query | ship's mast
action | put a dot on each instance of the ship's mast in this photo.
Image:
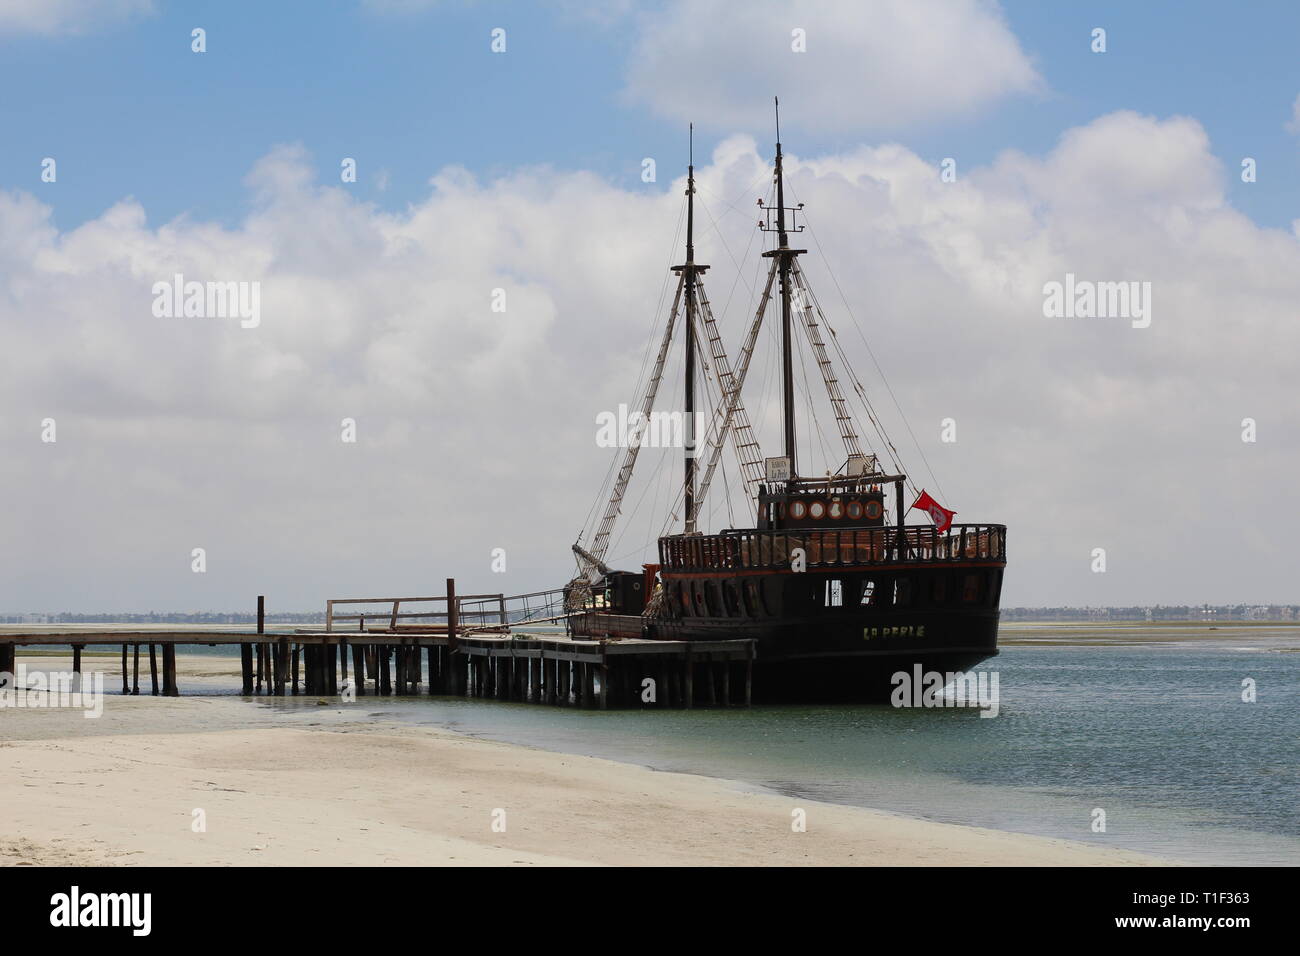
(689, 272)
(785, 258)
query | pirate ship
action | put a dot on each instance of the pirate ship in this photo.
(835, 588)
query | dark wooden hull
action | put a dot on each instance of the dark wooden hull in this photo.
(818, 660)
(839, 634)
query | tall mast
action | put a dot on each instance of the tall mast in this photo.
(785, 257)
(689, 272)
(787, 358)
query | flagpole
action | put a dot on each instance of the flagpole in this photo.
(902, 535)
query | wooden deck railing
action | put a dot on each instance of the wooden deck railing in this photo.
(474, 612)
(775, 549)
(470, 608)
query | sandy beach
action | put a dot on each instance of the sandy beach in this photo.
(124, 789)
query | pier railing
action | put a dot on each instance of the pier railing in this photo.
(536, 607)
(742, 550)
(471, 609)
(474, 612)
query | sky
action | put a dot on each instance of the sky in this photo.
(521, 171)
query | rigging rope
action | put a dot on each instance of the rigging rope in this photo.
(645, 361)
(879, 371)
(601, 542)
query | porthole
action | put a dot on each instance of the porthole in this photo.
(817, 510)
(797, 510)
(837, 509)
(855, 510)
(873, 510)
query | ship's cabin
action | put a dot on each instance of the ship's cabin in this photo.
(823, 503)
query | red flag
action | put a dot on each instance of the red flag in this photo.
(940, 515)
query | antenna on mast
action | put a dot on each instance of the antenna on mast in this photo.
(690, 199)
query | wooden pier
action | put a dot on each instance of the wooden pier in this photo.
(448, 655)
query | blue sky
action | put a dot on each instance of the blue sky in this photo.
(127, 109)
(176, 433)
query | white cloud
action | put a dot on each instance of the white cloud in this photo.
(1293, 124)
(477, 428)
(66, 16)
(882, 63)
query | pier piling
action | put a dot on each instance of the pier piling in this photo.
(246, 667)
(749, 677)
(282, 667)
(261, 648)
(359, 669)
(688, 670)
(169, 671)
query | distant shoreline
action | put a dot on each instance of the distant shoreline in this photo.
(1010, 634)
(1159, 614)
(1128, 633)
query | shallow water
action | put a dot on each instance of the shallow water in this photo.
(1155, 734)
